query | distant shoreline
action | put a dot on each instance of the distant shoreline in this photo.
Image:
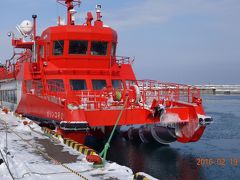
(219, 89)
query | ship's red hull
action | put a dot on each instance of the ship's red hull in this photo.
(44, 110)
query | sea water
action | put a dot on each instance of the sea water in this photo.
(215, 156)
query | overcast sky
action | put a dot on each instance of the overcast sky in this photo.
(184, 41)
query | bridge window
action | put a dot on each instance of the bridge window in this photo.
(117, 84)
(99, 48)
(38, 85)
(78, 47)
(78, 85)
(55, 85)
(113, 49)
(42, 51)
(99, 84)
(58, 47)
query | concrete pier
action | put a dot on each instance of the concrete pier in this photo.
(219, 89)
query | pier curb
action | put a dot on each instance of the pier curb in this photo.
(70, 143)
(140, 176)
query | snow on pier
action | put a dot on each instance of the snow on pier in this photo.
(30, 154)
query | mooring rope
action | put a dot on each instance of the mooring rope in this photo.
(103, 154)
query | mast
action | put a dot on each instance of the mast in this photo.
(70, 4)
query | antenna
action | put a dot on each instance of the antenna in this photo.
(70, 4)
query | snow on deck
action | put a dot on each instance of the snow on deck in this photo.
(26, 162)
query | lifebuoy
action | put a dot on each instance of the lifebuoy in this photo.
(136, 93)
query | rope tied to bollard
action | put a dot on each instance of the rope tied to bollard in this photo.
(103, 154)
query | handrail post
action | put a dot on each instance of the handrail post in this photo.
(188, 94)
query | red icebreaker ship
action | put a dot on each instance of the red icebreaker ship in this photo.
(71, 80)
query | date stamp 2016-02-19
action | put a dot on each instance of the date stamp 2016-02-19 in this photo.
(218, 162)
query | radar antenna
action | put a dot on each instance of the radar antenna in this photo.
(70, 4)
